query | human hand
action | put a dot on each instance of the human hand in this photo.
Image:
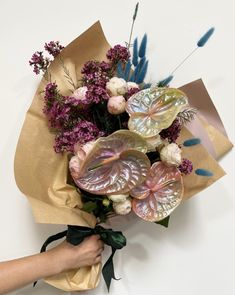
(68, 256)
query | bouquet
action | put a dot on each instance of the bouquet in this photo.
(100, 141)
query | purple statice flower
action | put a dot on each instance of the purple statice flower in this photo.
(171, 133)
(186, 167)
(131, 92)
(118, 53)
(39, 62)
(96, 94)
(53, 48)
(82, 133)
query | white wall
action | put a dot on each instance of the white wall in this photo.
(196, 254)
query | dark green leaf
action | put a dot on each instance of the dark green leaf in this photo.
(89, 206)
(164, 222)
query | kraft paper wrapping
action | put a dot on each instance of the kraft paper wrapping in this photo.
(41, 174)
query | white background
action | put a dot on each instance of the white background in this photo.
(195, 255)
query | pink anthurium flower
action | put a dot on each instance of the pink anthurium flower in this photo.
(159, 194)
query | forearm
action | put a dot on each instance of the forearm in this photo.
(20, 272)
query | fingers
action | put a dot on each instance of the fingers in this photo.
(98, 259)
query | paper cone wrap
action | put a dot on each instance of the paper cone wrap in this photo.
(41, 174)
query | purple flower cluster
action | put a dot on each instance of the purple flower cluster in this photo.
(53, 48)
(91, 67)
(82, 133)
(59, 115)
(39, 62)
(51, 93)
(95, 76)
(118, 53)
(171, 133)
(186, 167)
(131, 92)
(96, 94)
(78, 103)
(61, 111)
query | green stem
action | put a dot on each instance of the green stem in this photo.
(119, 122)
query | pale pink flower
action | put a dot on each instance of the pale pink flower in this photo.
(80, 93)
(122, 208)
(116, 105)
(116, 86)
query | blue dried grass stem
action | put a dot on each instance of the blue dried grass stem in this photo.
(202, 41)
(120, 72)
(135, 53)
(143, 45)
(127, 70)
(203, 172)
(165, 82)
(191, 142)
(142, 73)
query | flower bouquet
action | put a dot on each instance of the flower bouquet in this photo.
(100, 141)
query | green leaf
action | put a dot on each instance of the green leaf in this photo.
(89, 206)
(164, 222)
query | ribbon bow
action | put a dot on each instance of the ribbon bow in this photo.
(76, 234)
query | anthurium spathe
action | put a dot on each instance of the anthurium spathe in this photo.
(116, 164)
(154, 109)
(159, 194)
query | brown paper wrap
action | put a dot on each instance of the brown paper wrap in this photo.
(41, 174)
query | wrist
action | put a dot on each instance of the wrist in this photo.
(63, 257)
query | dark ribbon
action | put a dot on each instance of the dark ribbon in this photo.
(76, 234)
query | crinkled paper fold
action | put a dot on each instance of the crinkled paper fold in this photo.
(41, 174)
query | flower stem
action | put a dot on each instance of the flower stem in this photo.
(132, 25)
(183, 61)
